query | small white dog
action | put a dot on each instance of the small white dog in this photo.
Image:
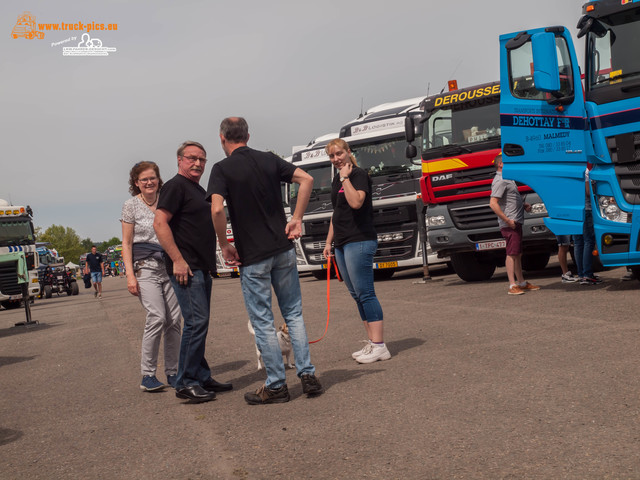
(284, 340)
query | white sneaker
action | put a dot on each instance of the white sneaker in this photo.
(569, 277)
(374, 353)
(355, 355)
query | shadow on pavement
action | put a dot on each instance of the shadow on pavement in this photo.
(7, 332)
(4, 361)
(7, 436)
(333, 377)
(398, 346)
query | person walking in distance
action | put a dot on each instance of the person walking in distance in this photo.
(147, 276)
(184, 229)
(355, 242)
(507, 204)
(249, 180)
(95, 266)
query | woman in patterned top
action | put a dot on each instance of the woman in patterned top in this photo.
(147, 277)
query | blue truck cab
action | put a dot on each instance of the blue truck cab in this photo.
(553, 125)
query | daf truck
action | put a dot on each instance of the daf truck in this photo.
(460, 140)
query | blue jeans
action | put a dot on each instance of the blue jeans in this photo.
(583, 246)
(355, 262)
(194, 299)
(257, 279)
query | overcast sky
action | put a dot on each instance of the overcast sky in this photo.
(71, 127)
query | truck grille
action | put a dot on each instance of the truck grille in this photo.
(467, 176)
(625, 154)
(473, 217)
(9, 278)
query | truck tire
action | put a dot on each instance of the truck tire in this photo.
(472, 266)
(636, 271)
(383, 274)
(74, 288)
(48, 291)
(535, 261)
(9, 305)
(321, 274)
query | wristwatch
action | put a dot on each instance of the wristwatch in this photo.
(342, 179)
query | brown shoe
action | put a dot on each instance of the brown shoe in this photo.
(528, 286)
(516, 290)
(266, 395)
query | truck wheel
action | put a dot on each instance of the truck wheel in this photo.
(472, 267)
(383, 274)
(9, 305)
(636, 271)
(47, 291)
(74, 288)
(535, 261)
(321, 274)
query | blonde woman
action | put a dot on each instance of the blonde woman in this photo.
(355, 243)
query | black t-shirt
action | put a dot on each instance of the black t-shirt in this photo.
(350, 225)
(249, 181)
(94, 262)
(190, 223)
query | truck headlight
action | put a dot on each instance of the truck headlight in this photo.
(390, 237)
(538, 208)
(436, 220)
(610, 210)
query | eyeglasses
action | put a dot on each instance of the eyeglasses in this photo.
(148, 180)
(193, 158)
(144, 161)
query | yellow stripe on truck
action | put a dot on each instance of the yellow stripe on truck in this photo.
(443, 165)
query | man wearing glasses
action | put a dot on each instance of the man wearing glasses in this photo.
(185, 231)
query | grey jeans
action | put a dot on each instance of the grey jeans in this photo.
(163, 316)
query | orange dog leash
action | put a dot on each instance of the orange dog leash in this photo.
(326, 328)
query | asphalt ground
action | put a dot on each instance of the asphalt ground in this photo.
(481, 385)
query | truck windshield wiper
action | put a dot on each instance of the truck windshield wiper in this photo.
(616, 78)
(451, 150)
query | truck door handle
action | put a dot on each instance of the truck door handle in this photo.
(512, 150)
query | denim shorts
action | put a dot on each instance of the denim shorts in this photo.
(563, 240)
(96, 277)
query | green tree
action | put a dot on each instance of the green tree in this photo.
(108, 243)
(87, 243)
(65, 240)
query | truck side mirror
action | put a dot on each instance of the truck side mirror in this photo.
(411, 151)
(546, 77)
(409, 130)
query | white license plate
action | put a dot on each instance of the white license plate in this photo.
(15, 297)
(491, 245)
